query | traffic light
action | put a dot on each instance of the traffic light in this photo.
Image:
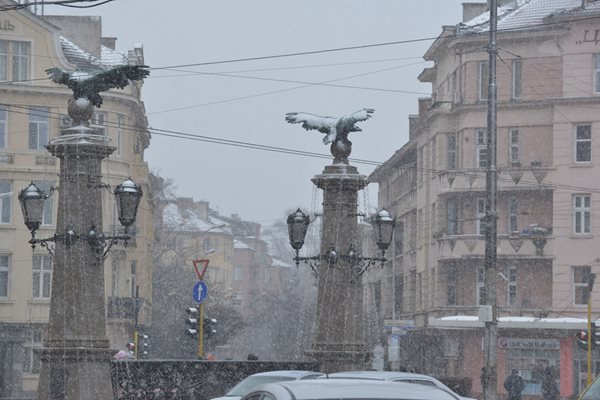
(210, 325)
(131, 348)
(192, 321)
(582, 337)
(143, 345)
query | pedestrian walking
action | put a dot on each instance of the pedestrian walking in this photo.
(549, 386)
(514, 385)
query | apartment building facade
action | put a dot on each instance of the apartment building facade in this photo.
(548, 85)
(33, 111)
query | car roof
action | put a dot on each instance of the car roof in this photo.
(296, 374)
(379, 375)
(351, 389)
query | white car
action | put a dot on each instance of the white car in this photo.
(346, 389)
(266, 377)
(396, 377)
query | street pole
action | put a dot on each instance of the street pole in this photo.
(590, 336)
(201, 331)
(491, 327)
(136, 332)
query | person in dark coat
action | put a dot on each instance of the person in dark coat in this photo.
(514, 385)
(549, 386)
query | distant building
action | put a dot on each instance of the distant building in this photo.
(32, 111)
(429, 296)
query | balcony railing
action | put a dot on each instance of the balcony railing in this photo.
(122, 307)
(118, 230)
(508, 177)
(529, 246)
(7, 158)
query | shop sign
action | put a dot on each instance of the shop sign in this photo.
(529, 344)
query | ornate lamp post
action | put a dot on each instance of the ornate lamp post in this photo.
(339, 342)
(383, 228)
(76, 355)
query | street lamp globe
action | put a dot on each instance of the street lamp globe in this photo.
(297, 223)
(384, 229)
(32, 205)
(128, 195)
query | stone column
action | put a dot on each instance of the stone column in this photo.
(76, 355)
(339, 343)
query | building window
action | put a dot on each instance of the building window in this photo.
(98, 123)
(597, 73)
(48, 210)
(38, 128)
(513, 144)
(42, 276)
(483, 80)
(237, 273)
(14, 60)
(237, 299)
(581, 279)
(517, 73)
(451, 218)
(133, 278)
(120, 125)
(3, 125)
(451, 151)
(6, 197)
(398, 294)
(31, 358)
(512, 215)
(433, 154)
(480, 216)
(511, 296)
(481, 296)
(114, 273)
(420, 165)
(399, 239)
(4, 275)
(451, 283)
(481, 151)
(582, 212)
(583, 143)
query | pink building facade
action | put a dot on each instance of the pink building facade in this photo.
(548, 157)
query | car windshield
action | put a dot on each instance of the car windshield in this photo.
(244, 386)
(593, 392)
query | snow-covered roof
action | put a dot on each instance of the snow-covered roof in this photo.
(190, 221)
(87, 62)
(79, 57)
(238, 244)
(112, 57)
(528, 13)
(472, 321)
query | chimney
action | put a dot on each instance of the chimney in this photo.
(109, 42)
(413, 123)
(472, 10)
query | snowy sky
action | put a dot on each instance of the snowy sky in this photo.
(209, 101)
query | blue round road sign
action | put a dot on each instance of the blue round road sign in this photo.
(200, 292)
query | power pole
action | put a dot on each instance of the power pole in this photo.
(490, 279)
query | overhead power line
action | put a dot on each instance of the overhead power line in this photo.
(64, 3)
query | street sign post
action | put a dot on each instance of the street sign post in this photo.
(200, 292)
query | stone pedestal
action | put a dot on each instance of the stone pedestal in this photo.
(76, 355)
(339, 343)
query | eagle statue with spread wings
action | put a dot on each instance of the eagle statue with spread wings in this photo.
(333, 128)
(336, 130)
(88, 85)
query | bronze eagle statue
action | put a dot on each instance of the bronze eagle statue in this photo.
(89, 85)
(335, 129)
